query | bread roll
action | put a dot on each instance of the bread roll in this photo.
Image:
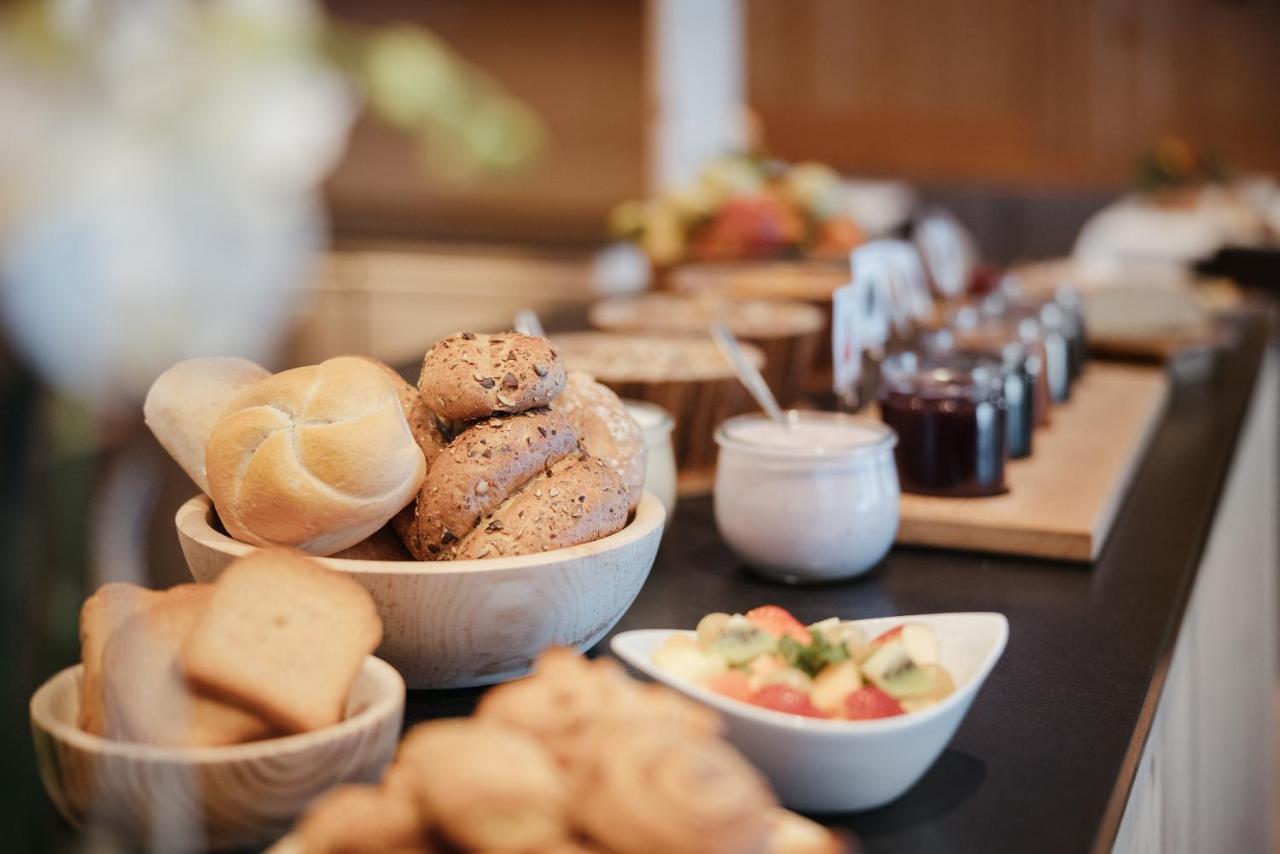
(468, 376)
(606, 429)
(317, 458)
(577, 500)
(186, 401)
(482, 467)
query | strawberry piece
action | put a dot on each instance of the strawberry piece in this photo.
(888, 634)
(732, 683)
(869, 702)
(784, 698)
(778, 622)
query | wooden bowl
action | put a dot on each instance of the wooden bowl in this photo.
(191, 798)
(452, 624)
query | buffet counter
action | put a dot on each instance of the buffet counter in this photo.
(1130, 711)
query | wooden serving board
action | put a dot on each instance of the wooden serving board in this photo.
(1063, 498)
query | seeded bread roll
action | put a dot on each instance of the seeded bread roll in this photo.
(468, 376)
(479, 470)
(578, 500)
(606, 429)
(317, 458)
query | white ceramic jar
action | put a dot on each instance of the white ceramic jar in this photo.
(813, 501)
(660, 468)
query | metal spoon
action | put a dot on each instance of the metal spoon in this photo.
(747, 373)
(527, 323)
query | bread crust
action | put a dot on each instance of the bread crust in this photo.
(577, 500)
(468, 375)
(481, 468)
(606, 429)
(316, 458)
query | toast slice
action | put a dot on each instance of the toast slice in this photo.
(284, 637)
(147, 699)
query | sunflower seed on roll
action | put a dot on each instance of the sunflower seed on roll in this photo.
(479, 470)
(468, 375)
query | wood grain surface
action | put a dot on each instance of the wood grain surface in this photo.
(1062, 500)
(186, 799)
(451, 624)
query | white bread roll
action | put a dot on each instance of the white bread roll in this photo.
(185, 402)
(317, 458)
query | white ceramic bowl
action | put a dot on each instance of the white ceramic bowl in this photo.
(816, 503)
(453, 624)
(839, 766)
(191, 798)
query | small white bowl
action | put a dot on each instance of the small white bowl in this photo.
(839, 766)
(453, 624)
(817, 501)
(191, 798)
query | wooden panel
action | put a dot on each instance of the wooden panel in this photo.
(578, 64)
(1062, 500)
(1014, 91)
(1204, 783)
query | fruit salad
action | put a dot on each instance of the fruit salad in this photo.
(830, 669)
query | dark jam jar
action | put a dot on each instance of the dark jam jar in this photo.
(949, 412)
(1019, 372)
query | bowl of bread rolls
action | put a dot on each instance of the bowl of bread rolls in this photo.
(211, 715)
(493, 510)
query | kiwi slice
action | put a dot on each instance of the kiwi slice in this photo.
(891, 670)
(740, 641)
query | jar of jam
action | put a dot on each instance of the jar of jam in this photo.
(1019, 369)
(948, 410)
(975, 329)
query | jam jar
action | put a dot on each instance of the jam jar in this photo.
(1020, 371)
(948, 410)
(975, 329)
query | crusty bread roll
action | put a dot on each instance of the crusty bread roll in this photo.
(185, 402)
(317, 458)
(606, 429)
(577, 500)
(481, 468)
(468, 376)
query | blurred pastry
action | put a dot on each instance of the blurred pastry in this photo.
(186, 401)
(788, 332)
(650, 787)
(486, 787)
(468, 376)
(110, 607)
(355, 819)
(317, 458)
(606, 428)
(568, 697)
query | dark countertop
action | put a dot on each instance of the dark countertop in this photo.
(1045, 759)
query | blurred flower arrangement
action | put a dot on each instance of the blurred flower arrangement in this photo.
(1173, 164)
(160, 167)
(745, 207)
